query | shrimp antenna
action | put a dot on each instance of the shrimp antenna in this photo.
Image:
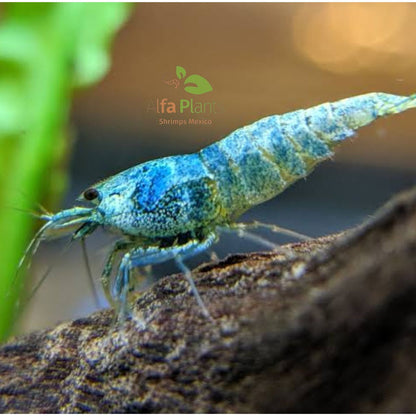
(90, 278)
(41, 208)
(26, 211)
(30, 251)
(45, 275)
(37, 286)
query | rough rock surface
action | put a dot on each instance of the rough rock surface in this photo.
(330, 328)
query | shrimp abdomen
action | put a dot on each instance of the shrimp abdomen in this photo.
(258, 161)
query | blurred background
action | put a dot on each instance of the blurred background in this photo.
(260, 59)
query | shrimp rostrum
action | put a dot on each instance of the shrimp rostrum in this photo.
(174, 208)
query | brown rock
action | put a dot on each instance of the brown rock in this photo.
(331, 328)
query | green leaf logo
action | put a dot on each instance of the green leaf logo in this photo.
(195, 84)
(180, 72)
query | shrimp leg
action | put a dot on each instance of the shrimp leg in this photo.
(241, 229)
(119, 245)
(140, 257)
(188, 276)
(274, 228)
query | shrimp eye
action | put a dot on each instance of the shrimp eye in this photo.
(91, 194)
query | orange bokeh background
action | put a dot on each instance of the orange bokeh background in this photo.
(261, 59)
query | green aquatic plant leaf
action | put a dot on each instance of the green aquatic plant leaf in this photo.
(46, 49)
(91, 56)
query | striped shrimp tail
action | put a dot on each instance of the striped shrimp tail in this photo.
(393, 104)
(333, 122)
(258, 161)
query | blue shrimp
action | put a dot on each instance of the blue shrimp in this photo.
(174, 208)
